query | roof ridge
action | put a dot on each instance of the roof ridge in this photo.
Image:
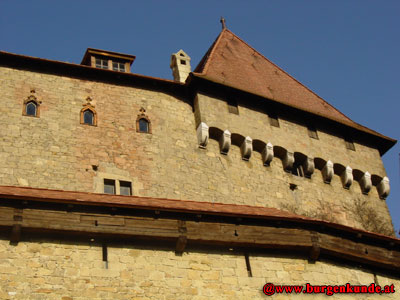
(288, 74)
(214, 46)
(204, 62)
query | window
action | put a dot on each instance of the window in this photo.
(88, 117)
(233, 106)
(117, 187)
(273, 119)
(125, 188)
(101, 63)
(349, 143)
(143, 125)
(312, 132)
(109, 186)
(118, 66)
(31, 108)
(88, 114)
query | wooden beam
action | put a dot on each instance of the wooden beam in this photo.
(206, 233)
(15, 236)
(180, 244)
(315, 248)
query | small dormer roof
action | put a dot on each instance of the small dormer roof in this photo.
(104, 53)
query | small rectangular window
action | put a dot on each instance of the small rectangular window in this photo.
(118, 66)
(101, 63)
(109, 186)
(273, 119)
(125, 188)
(233, 106)
(349, 143)
(312, 132)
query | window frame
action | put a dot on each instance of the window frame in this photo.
(27, 101)
(92, 110)
(101, 66)
(118, 68)
(111, 182)
(143, 116)
(117, 184)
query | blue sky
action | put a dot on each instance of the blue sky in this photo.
(345, 51)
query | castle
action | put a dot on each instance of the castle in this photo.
(116, 185)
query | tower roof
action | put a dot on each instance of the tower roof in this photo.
(232, 62)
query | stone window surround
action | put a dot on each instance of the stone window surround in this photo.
(117, 185)
(101, 176)
(28, 100)
(90, 107)
(144, 116)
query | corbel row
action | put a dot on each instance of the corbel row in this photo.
(288, 161)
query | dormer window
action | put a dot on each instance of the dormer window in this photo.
(108, 60)
(118, 66)
(101, 63)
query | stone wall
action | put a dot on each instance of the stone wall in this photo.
(55, 151)
(72, 271)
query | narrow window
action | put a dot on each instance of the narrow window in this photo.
(233, 106)
(117, 66)
(101, 63)
(109, 186)
(349, 143)
(312, 132)
(273, 119)
(125, 188)
(143, 125)
(31, 109)
(88, 117)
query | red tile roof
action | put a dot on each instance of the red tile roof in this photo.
(232, 62)
(172, 205)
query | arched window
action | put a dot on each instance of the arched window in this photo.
(143, 123)
(88, 117)
(31, 108)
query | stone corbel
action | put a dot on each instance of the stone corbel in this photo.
(347, 177)
(366, 183)
(327, 172)
(383, 188)
(308, 167)
(288, 161)
(268, 154)
(202, 135)
(247, 148)
(225, 142)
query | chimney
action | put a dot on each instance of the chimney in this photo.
(180, 65)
